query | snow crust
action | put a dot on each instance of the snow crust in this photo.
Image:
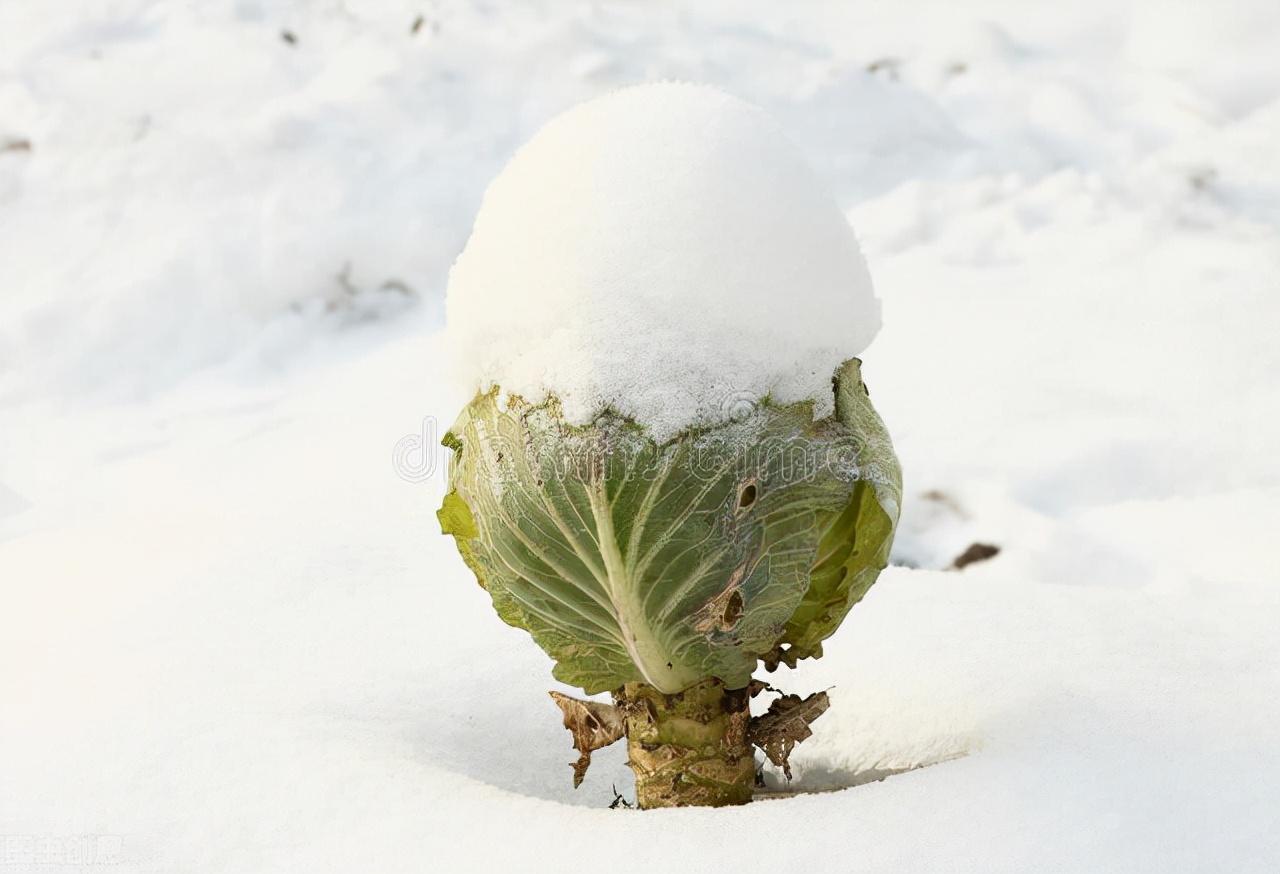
(663, 251)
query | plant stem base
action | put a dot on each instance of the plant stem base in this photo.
(689, 749)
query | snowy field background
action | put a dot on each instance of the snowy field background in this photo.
(231, 636)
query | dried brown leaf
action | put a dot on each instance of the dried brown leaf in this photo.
(780, 654)
(592, 724)
(786, 724)
(975, 553)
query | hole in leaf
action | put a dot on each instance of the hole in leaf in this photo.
(733, 608)
(747, 496)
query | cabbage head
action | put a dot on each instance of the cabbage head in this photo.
(629, 561)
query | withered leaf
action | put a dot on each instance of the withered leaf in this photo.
(786, 724)
(975, 553)
(592, 724)
(780, 654)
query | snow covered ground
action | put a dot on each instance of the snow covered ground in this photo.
(231, 636)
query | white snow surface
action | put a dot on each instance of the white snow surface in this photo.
(663, 251)
(231, 636)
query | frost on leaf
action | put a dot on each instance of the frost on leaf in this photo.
(592, 724)
(786, 724)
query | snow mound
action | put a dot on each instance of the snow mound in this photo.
(663, 251)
